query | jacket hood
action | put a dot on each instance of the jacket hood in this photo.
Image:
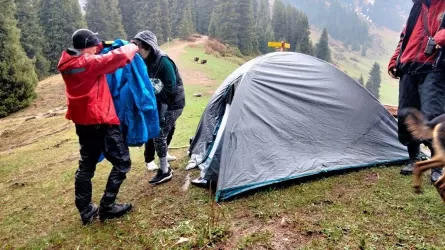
(149, 38)
(68, 59)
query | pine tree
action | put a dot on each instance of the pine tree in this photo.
(361, 80)
(186, 23)
(59, 19)
(154, 19)
(246, 32)
(224, 24)
(31, 37)
(104, 17)
(306, 46)
(323, 51)
(279, 20)
(264, 30)
(204, 10)
(165, 20)
(17, 77)
(374, 81)
(129, 11)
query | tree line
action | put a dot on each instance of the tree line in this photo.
(38, 31)
(343, 22)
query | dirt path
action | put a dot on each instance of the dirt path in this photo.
(189, 76)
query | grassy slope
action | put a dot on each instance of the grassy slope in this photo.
(370, 209)
(384, 46)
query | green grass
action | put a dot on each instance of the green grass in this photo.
(216, 68)
(369, 209)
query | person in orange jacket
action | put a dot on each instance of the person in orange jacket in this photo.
(91, 108)
(421, 86)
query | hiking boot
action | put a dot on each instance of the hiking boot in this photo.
(436, 173)
(171, 157)
(114, 211)
(408, 168)
(89, 214)
(151, 166)
(201, 182)
(161, 177)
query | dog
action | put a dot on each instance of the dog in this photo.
(424, 130)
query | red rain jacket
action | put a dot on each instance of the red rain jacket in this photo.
(88, 96)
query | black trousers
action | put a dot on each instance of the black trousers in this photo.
(425, 92)
(94, 140)
(150, 149)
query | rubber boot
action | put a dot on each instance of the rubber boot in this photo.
(110, 210)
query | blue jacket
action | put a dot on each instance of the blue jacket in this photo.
(134, 100)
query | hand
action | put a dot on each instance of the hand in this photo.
(392, 73)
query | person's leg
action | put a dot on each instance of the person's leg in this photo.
(408, 98)
(171, 133)
(89, 140)
(432, 97)
(169, 139)
(116, 151)
(149, 155)
(165, 173)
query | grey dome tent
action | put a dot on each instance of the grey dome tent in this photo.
(285, 116)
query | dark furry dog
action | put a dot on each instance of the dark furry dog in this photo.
(428, 130)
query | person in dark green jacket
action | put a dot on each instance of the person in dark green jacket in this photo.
(170, 99)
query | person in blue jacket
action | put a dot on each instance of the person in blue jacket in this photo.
(170, 99)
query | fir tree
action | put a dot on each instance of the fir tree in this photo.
(129, 11)
(323, 51)
(17, 77)
(59, 19)
(31, 37)
(165, 20)
(264, 31)
(204, 10)
(279, 20)
(186, 23)
(104, 17)
(246, 32)
(374, 81)
(154, 19)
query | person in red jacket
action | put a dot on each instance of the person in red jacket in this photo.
(91, 108)
(422, 86)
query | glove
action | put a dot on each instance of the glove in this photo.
(439, 38)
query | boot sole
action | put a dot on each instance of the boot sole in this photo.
(166, 179)
(103, 218)
(406, 172)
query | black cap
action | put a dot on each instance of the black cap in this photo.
(84, 38)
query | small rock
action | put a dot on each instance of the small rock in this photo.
(182, 240)
(30, 118)
(283, 222)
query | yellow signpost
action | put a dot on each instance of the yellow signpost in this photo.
(279, 45)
